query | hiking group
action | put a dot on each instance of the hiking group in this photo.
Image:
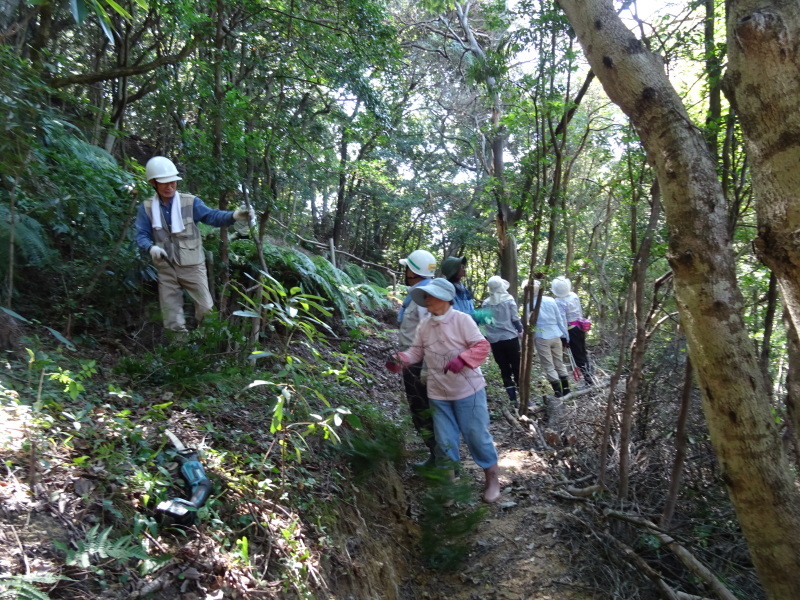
(441, 345)
(441, 348)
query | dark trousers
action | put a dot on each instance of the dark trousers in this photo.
(506, 355)
(417, 395)
(577, 343)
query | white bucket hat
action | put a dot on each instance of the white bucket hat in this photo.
(438, 288)
(497, 285)
(561, 286)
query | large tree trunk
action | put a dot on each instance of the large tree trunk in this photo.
(735, 394)
(763, 85)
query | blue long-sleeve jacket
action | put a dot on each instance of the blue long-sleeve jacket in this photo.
(200, 212)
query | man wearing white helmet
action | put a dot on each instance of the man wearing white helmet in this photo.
(166, 228)
(419, 268)
(570, 306)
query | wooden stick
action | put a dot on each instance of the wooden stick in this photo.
(686, 557)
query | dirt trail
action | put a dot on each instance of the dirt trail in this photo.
(517, 551)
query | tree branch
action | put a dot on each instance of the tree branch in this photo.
(686, 557)
(89, 78)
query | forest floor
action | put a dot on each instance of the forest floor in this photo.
(518, 550)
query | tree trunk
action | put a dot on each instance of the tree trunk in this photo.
(792, 400)
(763, 85)
(219, 159)
(341, 190)
(769, 325)
(743, 433)
(681, 444)
(640, 339)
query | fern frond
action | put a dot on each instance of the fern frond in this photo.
(97, 545)
(349, 290)
(22, 587)
(29, 239)
(371, 297)
(125, 548)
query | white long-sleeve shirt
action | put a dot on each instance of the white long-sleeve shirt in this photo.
(550, 323)
(570, 306)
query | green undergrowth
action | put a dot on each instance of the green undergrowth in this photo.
(285, 432)
(351, 293)
(277, 440)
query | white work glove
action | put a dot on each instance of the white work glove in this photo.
(245, 214)
(158, 253)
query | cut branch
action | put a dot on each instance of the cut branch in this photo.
(686, 557)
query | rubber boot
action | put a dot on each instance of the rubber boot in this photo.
(512, 394)
(556, 388)
(428, 463)
(491, 492)
(564, 386)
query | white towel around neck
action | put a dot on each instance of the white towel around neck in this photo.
(175, 215)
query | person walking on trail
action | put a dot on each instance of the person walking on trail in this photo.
(503, 329)
(419, 268)
(453, 269)
(550, 340)
(570, 306)
(166, 228)
(454, 349)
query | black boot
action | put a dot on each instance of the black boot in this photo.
(564, 386)
(556, 388)
(512, 394)
(428, 463)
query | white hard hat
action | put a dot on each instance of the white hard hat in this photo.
(161, 169)
(561, 286)
(420, 262)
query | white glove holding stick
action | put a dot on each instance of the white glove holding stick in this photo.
(158, 253)
(246, 215)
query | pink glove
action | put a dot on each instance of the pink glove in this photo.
(455, 365)
(395, 364)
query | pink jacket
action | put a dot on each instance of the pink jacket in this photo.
(439, 342)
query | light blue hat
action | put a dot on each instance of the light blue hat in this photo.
(438, 288)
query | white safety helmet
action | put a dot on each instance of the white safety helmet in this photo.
(561, 286)
(162, 169)
(420, 262)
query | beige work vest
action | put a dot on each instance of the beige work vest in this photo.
(184, 248)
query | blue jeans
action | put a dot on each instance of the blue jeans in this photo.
(468, 417)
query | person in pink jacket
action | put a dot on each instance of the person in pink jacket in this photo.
(453, 349)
